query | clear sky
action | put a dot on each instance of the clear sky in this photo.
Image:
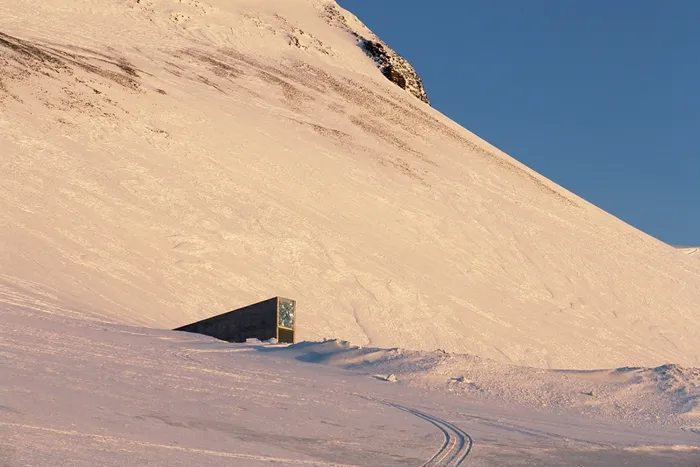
(601, 96)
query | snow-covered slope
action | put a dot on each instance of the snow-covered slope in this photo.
(691, 251)
(164, 161)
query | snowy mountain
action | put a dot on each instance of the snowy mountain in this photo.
(164, 161)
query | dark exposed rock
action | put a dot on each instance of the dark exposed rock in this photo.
(395, 68)
(391, 64)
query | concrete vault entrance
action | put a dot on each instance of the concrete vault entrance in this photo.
(275, 317)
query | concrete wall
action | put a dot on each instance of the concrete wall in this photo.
(257, 321)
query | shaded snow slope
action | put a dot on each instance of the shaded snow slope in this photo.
(170, 160)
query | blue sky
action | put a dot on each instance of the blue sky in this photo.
(601, 96)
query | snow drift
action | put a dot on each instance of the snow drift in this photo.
(665, 395)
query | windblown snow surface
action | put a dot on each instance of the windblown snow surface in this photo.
(691, 251)
(163, 161)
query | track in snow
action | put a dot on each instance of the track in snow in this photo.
(457, 444)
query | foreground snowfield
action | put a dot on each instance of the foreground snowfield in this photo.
(162, 161)
(83, 393)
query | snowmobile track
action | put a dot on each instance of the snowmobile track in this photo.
(457, 443)
(456, 446)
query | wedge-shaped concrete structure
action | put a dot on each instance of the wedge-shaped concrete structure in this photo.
(272, 318)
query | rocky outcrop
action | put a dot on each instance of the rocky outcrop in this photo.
(392, 65)
(395, 68)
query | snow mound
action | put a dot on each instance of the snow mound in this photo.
(683, 383)
(668, 394)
